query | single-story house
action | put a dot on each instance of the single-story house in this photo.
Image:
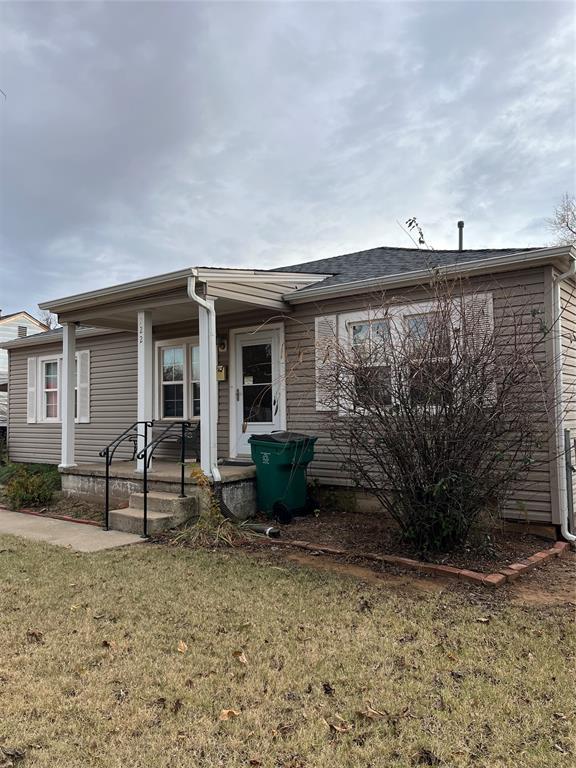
(235, 350)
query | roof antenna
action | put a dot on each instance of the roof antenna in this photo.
(460, 235)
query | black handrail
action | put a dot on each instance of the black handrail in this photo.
(130, 433)
(150, 447)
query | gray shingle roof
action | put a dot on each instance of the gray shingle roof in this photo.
(382, 262)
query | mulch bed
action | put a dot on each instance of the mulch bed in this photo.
(68, 509)
(360, 532)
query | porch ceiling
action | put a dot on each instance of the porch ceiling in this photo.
(166, 297)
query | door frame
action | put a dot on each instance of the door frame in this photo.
(232, 354)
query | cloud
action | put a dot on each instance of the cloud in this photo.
(141, 137)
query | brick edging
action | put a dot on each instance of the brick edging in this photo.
(66, 518)
(497, 579)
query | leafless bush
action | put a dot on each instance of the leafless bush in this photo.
(437, 409)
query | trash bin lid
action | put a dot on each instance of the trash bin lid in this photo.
(280, 437)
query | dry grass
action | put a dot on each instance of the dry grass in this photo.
(127, 658)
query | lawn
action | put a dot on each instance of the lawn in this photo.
(133, 658)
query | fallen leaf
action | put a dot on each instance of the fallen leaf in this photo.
(254, 761)
(35, 636)
(340, 727)
(483, 620)
(425, 757)
(371, 713)
(182, 647)
(177, 706)
(229, 714)
(109, 644)
(240, 656)
(327, 688)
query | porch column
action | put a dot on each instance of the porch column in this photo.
(68, 384)
(145, 378)
(208, 387)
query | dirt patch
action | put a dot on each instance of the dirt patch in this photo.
(71, 507)
(363, 573)
(488, 549)
(553, 585)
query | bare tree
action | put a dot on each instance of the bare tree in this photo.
(563, 223)
(49, 319)
(438, 412)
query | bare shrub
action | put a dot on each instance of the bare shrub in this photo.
(437, 410)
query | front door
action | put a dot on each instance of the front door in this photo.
(257, 387)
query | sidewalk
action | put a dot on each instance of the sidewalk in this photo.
(75, 536)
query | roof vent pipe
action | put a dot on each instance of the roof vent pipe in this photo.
(460, 235)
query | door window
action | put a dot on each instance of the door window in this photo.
(257, 383)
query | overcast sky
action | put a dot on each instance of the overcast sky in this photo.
(142, 137)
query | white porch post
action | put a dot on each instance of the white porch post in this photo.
(145, 378)
(68, 387)
(208, 387)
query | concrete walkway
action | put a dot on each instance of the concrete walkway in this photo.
(75, 536)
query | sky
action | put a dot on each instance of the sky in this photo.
(140, 137)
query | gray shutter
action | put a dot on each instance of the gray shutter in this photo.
(31, 403)
(326, 337)
(83, 384)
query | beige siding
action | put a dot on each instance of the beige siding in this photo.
(114, 384)
(522, 291)
(568, 310)
(112, 400)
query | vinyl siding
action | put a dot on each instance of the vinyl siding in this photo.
(113, 391)
(522, 290)
(568, 309)
(114, 384)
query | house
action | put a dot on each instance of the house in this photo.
(234, 350)
(17, 325)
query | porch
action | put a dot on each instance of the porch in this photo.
(209, 350)
(88, 482)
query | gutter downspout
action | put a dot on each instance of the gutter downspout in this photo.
(213, 389)
(558, 395)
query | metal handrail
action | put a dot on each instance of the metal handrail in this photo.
(108, 452)
(149, 448)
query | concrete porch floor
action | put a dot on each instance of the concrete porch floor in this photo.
(161, 470)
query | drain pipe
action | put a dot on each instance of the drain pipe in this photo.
(558, 395)
(213, 385)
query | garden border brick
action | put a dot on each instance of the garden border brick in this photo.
(494, 580)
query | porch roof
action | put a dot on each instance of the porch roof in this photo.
(166, 296)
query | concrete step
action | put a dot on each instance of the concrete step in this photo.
(132, 520)
(169, 503)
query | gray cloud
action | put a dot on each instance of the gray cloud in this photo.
(140, 137)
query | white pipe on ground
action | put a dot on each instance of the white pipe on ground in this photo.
(558, 395)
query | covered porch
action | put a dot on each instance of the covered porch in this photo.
(187, 310)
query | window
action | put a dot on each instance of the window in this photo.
(172, 372)
(427, 337)
(372, 380)
(178, 380)
(45, 389)
(50, 390)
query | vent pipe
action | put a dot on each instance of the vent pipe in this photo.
(460, 235)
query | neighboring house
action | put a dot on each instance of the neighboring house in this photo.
(17, 325)
(235, 349)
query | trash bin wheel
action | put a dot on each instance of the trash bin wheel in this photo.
(281, 512)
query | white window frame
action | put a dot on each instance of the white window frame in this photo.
(186, 343)
(41, 362)
(396, 317)
(41, 417)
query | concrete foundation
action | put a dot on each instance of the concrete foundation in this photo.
(88, 482)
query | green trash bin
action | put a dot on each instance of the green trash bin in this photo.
(281, 460)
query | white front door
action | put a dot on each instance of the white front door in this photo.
(257, 389)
